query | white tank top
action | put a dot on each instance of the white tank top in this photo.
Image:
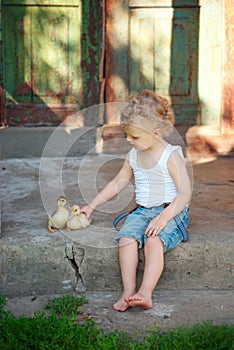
(154, 186)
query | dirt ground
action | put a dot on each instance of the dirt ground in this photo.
(171, 309)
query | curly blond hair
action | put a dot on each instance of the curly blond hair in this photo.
(149, 106)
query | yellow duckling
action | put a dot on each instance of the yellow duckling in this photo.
(59, 218)
(78, 220)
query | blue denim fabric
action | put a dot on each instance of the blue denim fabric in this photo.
(136, 223)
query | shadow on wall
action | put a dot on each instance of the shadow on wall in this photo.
(49, 58)
(159, 52)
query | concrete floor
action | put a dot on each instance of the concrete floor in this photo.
(198, 279)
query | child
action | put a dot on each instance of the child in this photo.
(162, 190)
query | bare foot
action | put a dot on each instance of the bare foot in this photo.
(50, 229)
(121, 305)
(139, 300)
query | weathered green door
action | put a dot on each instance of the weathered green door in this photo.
(42, 60)
(153, 44)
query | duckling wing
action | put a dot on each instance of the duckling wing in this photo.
(59, 218)
(85, 222)
(74, 223)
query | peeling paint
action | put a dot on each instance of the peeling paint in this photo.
(227, 122)
(90, 46)
(43, 68)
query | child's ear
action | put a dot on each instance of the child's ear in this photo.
(157, 132)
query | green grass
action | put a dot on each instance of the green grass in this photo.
(66, 306)
(61, 326)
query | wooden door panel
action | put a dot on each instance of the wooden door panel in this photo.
(41, 2)
(42, 66)
(54, 49)
(161, 52)
(184, 56)
(180, 84)
(17, 55)
(141, 60)
(42, 62)
(162, 3)
(50, 54)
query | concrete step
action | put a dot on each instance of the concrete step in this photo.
(35, 262)
(31, 142)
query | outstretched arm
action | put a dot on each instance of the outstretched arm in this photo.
(115, 186)
(177, 169)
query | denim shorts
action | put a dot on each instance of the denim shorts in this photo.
(136, 223)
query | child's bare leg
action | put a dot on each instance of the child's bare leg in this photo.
(128, 258)
(154, 263)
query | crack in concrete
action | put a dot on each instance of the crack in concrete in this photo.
(70, 254)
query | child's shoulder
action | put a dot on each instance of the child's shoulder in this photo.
(132, 154)
(174, 148)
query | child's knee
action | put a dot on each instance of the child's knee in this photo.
(154, 242)
(126, 241)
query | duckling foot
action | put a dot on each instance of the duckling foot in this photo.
(50, 229)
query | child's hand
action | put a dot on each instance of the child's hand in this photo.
(155, 226)
(87, 210)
